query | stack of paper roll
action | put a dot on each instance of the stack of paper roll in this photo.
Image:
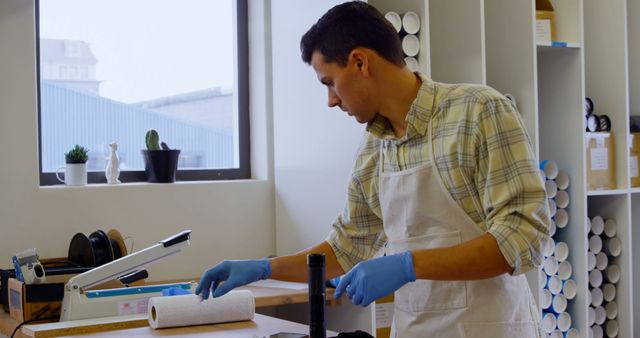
(408, 26)
(190, 310)
(604, 274)
(556, 275)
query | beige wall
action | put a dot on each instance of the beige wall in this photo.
(228, 219)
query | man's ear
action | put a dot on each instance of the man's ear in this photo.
(359, 58)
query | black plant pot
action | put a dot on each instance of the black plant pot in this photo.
(161, 165)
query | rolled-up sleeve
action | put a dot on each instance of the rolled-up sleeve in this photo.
(510, 186)
(357, 233)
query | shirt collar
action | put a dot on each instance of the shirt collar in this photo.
(417, 118)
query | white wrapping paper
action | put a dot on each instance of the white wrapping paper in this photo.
(189, 310)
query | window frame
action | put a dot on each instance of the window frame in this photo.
(242, 97)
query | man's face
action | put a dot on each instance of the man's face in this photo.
(347, 87)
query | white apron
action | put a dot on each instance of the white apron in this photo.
(419, 213)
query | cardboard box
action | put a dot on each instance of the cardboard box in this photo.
(634, 159)
(384, 316)
(34, 301)
(601, 166)
(545, 22)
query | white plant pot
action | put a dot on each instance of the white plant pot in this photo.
(74, 174)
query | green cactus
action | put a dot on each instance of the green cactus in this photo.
(152, 140)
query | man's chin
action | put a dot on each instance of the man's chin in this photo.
(361, 119)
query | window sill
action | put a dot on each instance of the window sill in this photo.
(135, 185)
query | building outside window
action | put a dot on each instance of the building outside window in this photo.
(124, 67)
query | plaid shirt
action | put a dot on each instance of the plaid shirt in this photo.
(485, 159)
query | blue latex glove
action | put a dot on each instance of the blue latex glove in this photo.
(376, 278)
(233, 274)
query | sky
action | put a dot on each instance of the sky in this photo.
(148, 49)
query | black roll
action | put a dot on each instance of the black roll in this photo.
(316, 264)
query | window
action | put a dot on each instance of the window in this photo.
(109, 70)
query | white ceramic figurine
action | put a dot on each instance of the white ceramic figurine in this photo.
(113, 165)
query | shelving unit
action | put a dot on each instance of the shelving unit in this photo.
(493, 42)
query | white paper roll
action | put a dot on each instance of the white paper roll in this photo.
(561, 218)
(602, 261)
(554, 284)
(548, 322)
(556, 334)
(561, 251)
(597, 331)
(562, 180)
(610, 228)
(553, 208)
(550, 265)
(410, 45)
(189, 310)
(596, 298)
(609, 292)
(612, 273)
(611, 309)
(562, 199)
(565, 270)
(595, 278)
(552, 228)
(591, 261)
(550, 168)
(601, 315)
(597, 225)
(564, 321)
(613, 246)
(569, 289)
(595, 244)
(559, 303)
(411, 22)
(395, 20)
(611, 328)
(591, 316)
(412, 63)
(548, 247)
(572, 333)
(551, 188)
(547, 299)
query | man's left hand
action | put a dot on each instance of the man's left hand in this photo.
(376, 278)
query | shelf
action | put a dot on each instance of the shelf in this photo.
(635, 190)
(557, 46)
(607, 192)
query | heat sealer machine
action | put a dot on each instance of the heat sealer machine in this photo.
(81, 303)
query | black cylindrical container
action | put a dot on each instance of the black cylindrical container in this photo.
(316, 296)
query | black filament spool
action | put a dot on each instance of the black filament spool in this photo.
(91, 251)
(588, 106)
(101, 247)
(604, 123)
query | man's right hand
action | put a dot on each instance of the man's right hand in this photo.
(232, 274)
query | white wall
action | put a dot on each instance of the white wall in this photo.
(228, 219)
(313, 145)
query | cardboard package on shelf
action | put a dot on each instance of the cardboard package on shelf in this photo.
(634, 159)
(545, 22)
(601, 165)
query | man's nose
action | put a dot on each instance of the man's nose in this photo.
(334, 100)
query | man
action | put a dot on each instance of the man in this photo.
(445, 182)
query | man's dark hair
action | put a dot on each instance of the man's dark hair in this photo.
(350, 25)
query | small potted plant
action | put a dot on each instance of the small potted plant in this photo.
(160, 162)
(75, 171)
